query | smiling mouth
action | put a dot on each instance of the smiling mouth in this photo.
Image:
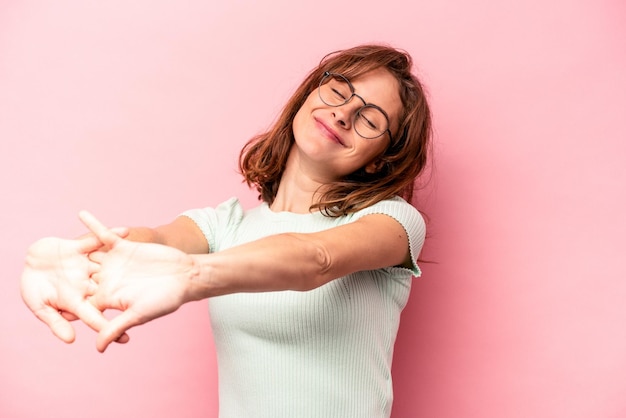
(328, 132)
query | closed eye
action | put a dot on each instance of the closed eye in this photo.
(368, 122)
(339, 94)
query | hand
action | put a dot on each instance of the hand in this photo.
(55, 284)
(143, 280)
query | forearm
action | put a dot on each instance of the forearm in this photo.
(182, 234)
(279, 262)
(144, 234)
(136, 234)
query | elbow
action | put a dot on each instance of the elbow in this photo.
(319, 267)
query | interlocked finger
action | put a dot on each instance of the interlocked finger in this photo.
(104, 234)
(59, 325)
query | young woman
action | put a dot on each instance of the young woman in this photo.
(307, 288)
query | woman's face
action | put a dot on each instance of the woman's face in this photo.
(325, 139)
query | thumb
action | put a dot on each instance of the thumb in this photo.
(116, 329)
(102, 233)
(121, 231)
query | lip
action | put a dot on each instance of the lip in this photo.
(329, 132)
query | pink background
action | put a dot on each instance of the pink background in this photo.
(137, 111)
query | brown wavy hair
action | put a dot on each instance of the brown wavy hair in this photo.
(262, 160)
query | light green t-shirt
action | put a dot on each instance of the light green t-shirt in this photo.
(324, 353)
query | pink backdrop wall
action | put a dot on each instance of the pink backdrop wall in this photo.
(137, 110)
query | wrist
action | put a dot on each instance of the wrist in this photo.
(197, 283)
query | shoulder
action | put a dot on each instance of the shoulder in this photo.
(406, 215)
(402, 211)
(227, 211)
(395, 203)
(214, 221)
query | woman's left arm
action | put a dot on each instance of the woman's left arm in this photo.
(294, 261)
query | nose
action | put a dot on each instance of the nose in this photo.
(342, 117)
(344, 114)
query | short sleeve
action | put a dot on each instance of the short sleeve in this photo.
(216, 222)
(410, 219)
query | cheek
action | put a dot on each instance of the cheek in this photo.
(300, 119)
(296, 124)
(377, 147)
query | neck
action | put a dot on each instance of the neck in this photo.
(297, 190)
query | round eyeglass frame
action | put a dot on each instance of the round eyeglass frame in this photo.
(328, 74)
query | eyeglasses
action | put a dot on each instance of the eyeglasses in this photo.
(370, 121)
